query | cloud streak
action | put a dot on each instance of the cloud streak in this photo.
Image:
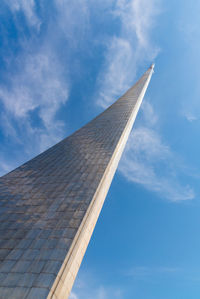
(143, 271)
(87, 286)
(28, 8)
(129, 49)
(150, 162)
(39, 88)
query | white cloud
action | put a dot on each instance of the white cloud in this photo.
(190, 116)
(37, 82)
(148, 113)
(99, 293)
(143, 272)
(114, 80)
(96, 292)
(28, 8)
(36, 85)
(73, 20)
(129, 49)
(137, 17)
(147, 160)
(39, 85)
(36, 77)
(73, 296)
(88, 286)
(4, 167)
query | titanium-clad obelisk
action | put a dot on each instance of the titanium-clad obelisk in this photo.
(49, 206)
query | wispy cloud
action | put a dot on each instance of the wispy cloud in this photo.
(28, 8)
(188, 34)
(73, 21)
(44, 47)
(88, 286)
(190, 116)
(144, 272)
(129, 49)
(35, 82)
(38, 88)
(98, 293)
(149, 116)
(73, 296)
(114, 80)
(149, 161)
(5, 166)
(38, 85)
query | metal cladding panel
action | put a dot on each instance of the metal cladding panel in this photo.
(43, 202)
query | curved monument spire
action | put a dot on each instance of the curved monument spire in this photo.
(50, 205)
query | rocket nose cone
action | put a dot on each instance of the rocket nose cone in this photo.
(152, 66)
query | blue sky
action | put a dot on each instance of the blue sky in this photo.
(61, 63)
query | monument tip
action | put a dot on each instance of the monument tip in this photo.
(152, 66)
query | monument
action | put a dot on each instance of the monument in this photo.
(49, 206)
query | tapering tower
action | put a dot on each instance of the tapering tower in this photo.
(49, 206)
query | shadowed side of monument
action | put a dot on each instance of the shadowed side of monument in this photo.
(50, 205)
